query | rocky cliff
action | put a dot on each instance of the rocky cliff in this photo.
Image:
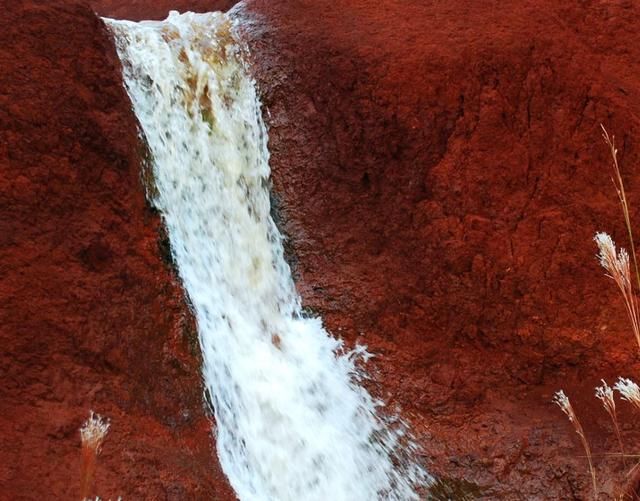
(439, 171)
(441, 174)
(91, 316)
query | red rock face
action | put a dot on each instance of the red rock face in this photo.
(136, 10)
(439, 170)
(91, 318)
(441, 176)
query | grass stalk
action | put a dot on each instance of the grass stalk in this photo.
(92, 435)
(617, 266)
(605, 394)
(563, 402)
(622, 196)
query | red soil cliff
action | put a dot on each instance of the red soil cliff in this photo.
(441, 176)
(136, 10)
(439, 171)
(90, 317)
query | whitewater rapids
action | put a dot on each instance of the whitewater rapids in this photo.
(292, 419)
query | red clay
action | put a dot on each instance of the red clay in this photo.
(137, 10)
(440, 174)
(90, 317)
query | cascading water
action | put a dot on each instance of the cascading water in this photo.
(293, 422)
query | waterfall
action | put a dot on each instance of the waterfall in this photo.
(293, 421)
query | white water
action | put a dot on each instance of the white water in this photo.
(293, 422)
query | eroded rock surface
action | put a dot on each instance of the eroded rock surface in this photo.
(439, 170)
(90, 317)
(441, 175)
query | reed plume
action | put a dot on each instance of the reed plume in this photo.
(617, 266)
(563, 402)
(605, 394)
(622, 196)
(628, 390)
(92, 435)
